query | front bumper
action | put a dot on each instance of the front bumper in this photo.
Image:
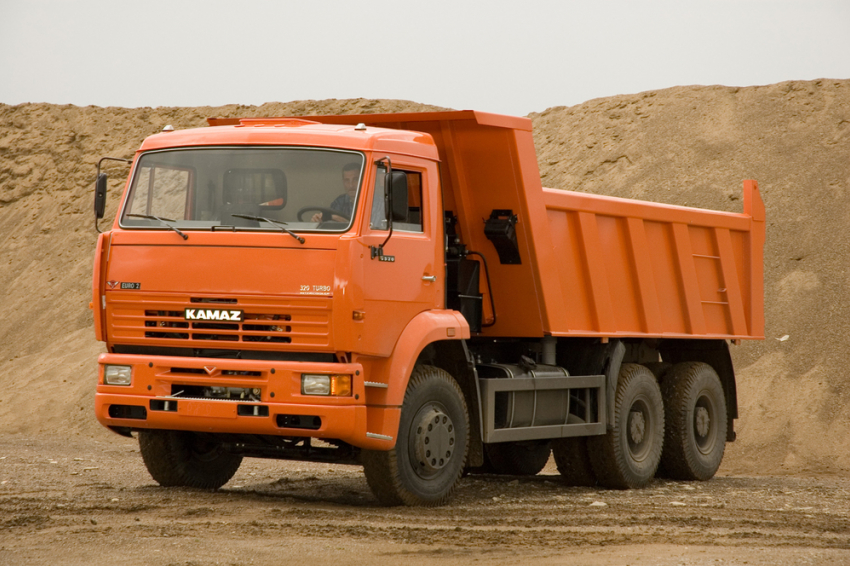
(154, 401)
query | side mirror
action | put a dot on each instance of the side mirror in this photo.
(398, 186)
(100, 189)
(100, 195)
(395, 204)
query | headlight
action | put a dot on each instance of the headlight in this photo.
(333, 385)
(315, 384)
(118, 375)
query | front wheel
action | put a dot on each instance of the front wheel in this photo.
(628, 455)
(185, 459)
(427, 461)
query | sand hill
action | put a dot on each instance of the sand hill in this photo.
(685, 145)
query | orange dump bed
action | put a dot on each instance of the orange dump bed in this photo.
(628, 268)
(590, 265)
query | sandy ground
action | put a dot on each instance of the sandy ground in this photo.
(91, 500)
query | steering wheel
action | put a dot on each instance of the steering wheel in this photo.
(326, 212)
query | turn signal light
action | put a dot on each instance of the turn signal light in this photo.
(341, 385)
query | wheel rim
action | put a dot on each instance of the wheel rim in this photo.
(432, 440)
(704, 423)
(638, 430)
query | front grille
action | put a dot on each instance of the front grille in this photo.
(298, 321)
(231, 372)
(221, 301)
(264, 327)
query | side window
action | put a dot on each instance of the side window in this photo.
(411, 220)
(162, 192)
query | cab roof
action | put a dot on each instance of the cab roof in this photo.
(296, 132)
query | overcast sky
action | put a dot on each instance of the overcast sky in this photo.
(498, 56)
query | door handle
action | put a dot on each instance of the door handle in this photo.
(431, 278)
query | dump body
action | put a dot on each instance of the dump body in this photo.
(592, 265)
(640, 269)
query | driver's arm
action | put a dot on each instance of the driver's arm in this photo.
(318, 218)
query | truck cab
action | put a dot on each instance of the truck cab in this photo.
(236, 256)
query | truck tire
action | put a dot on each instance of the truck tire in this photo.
(659, 370)
(628, 455)
(695, 416)
(518, 458)
(184, 459)
(573, 460)
(428, 459)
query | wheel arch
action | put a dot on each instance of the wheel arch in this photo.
(426, 340)
(426, 328)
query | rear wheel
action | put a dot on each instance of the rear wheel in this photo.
(518, 458)
(628, 455)
(695, 415)
(573, 460)
(659, 370)
(185, 459)
(427, 461)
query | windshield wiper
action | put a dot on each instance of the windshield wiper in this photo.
(163, 220)
(272, 222)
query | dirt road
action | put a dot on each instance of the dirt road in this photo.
(86, 501)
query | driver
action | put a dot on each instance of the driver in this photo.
(344, 203)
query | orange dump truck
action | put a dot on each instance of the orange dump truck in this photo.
(398, 291)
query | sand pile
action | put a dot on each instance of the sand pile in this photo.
(686, 145)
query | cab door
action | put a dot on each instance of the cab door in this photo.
(409, 277)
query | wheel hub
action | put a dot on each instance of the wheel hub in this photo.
(637, 426)
(433, 440)
(702, 420)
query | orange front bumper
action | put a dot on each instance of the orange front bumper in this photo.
(153, 400)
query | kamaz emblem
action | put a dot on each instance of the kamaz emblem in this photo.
(213, 314)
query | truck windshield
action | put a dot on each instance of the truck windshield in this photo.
(301, 188)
